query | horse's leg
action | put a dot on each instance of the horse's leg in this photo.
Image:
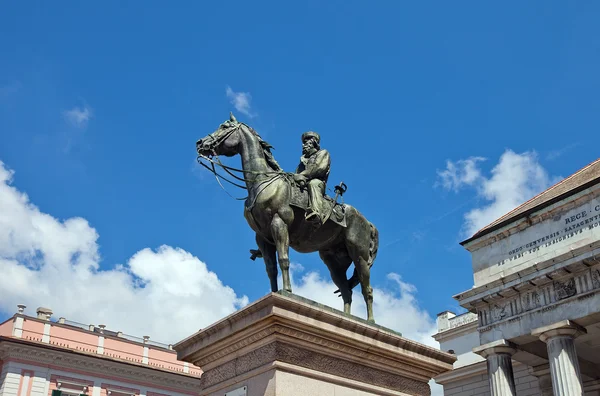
(337, 268)
(270, 257)
(362, 240)
(279, 230)
(364, 274)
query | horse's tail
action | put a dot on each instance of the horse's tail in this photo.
(373, 248)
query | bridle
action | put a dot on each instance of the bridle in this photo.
(211, 146)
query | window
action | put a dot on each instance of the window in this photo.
(70, 389)
(67, 392)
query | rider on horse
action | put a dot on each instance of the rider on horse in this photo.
(313, 172)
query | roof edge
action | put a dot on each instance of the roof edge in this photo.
(532, 210)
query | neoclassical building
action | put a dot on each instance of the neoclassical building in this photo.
(43, 357)
(533, 320)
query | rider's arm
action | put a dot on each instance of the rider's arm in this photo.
(320, 167)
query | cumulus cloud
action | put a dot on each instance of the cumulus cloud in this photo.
(513, 180)
(460, 173)
(242, 101)
(78, 116)
(395, 306)
(55, 263)
(48, 262)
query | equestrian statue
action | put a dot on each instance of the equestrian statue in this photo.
(292, 210)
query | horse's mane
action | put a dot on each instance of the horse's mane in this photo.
(266, 151)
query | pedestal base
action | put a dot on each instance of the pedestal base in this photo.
(286, 345)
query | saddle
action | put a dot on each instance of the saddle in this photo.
(300, 200)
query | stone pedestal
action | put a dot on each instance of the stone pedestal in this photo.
(498, 355)
(286, 345)
(562, 356)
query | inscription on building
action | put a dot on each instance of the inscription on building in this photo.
(537, 243)
(572, 227)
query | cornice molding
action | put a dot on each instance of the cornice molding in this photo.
(558, 288)
(461, 373)
(456, 331)
(368, 355)
(100, 366)
(288, 306)
(471, 370)
(534, 215)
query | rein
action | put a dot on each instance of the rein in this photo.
(230, 170)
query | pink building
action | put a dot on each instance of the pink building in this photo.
(40, 357)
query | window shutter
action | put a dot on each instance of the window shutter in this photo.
(56, 392)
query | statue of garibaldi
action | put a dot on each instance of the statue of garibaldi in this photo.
(312, 173)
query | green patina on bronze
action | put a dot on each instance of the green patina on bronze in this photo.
(291, 210)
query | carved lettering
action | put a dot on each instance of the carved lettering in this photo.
(560, 230)
(576, 217)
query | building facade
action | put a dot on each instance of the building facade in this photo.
(533, 321)
(42, 357)
(459, 335)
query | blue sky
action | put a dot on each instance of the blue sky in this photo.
(101, 104)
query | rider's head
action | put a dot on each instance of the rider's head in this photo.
(310, 142)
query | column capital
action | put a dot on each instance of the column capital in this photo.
(495, 348)
(562, 328)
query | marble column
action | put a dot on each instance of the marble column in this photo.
(498, 355)
(562, 356)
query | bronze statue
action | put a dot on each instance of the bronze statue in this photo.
(276, 209)
(313, 172)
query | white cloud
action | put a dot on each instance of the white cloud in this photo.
(555, 154)
(460, 173)
(515, 179)
(47, 262)
(241, 101)
(78, 116)
(395, 307)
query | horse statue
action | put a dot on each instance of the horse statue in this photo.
(275, 209)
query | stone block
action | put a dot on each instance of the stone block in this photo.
(287, 345)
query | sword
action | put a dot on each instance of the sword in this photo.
(340, 189)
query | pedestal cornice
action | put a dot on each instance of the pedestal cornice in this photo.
(295, 331)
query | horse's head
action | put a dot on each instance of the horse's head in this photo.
(223, 141)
